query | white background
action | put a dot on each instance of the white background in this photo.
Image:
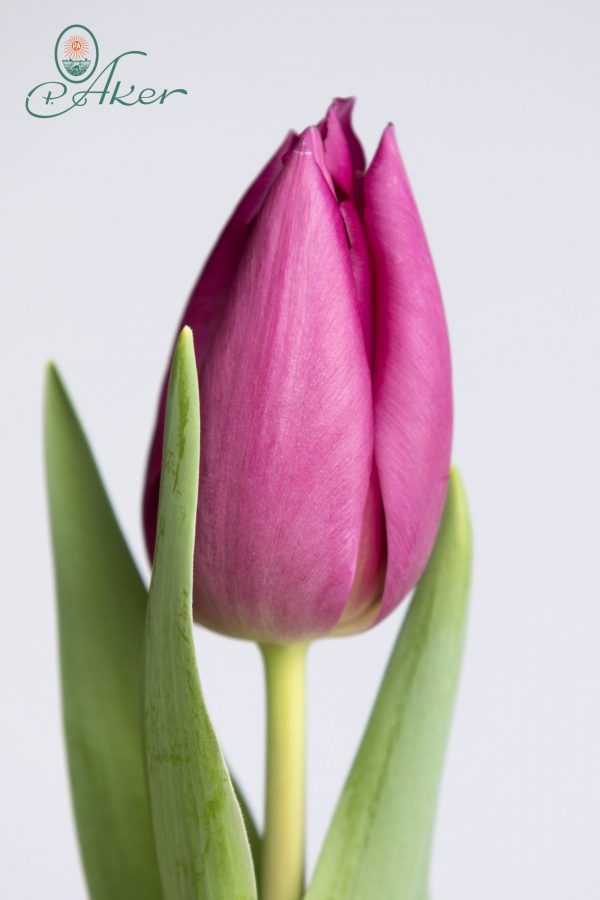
(107, 215)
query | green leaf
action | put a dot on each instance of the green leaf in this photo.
(202, 847)
(252, 832)
(101, 612)
(378, 842)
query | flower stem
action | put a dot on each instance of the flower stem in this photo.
(282, 869)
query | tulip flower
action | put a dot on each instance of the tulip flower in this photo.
(306, 427)
(325, 393)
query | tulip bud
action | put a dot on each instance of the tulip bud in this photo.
(326, 397)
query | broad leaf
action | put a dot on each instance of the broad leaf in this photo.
(201, 841)
(378, 842)
(101, 611)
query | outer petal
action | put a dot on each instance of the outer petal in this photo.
(203, 310)
(211, 289)
(412, 380)
(362, 606)
(310, 143)
(287, 425)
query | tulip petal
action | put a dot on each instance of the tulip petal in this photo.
(217, 275)
(412, 392)
(203, 307)
(361, 268)
(362, 606)
(337, 152)
(310, 143)
(287, 439)
(343, 151)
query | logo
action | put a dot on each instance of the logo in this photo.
(76, 56)
(77, 50)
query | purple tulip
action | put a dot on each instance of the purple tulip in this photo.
(326, 396)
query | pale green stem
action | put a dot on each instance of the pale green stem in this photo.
(282, 869)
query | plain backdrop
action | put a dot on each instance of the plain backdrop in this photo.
(107, 215)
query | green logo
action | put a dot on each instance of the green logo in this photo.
(76, 56)
(77, 49)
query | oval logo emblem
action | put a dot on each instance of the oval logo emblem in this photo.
(76, 53)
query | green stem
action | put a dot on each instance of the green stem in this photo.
(282, 869)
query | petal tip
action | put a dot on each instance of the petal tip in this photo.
(343, 105)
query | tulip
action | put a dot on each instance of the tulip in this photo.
(326, 399)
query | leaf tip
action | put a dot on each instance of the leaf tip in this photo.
(54, 394)
(186, 338)
(52, 379)
(457, 497)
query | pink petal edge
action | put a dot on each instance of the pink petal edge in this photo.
(412, 379)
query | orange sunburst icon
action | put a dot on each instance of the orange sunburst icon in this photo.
(76, 47)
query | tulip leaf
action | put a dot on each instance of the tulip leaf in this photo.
(252, 832)
(201, 841)
(101, 614)
(379, 839)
